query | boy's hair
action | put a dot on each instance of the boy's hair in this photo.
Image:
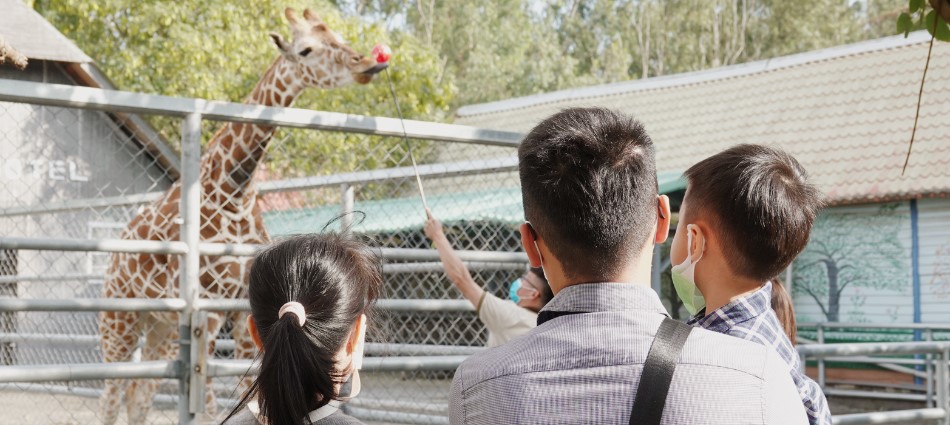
(588, 182)
(760, 200)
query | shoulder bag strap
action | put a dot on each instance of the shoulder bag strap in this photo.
(658, 372)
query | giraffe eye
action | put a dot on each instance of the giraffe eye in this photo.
(356, 59)
(305, 52)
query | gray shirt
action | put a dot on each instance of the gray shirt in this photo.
(247, 417)
(584, 368)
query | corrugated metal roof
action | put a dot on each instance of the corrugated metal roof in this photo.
(396, 214)
(33, 36)
(846, 113)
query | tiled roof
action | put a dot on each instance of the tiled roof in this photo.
(34, 37)
(846, 113)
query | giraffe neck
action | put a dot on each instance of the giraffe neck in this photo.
(236, 149)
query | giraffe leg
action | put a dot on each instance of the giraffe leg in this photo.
(119, 332)
(160, 337)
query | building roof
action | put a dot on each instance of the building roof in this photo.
(34, 37)
(396, 214)
(846, 113)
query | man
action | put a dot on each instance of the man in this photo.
(590, 197)
(505, 319)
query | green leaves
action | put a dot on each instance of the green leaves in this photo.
(904, 24)
(936, 26)
(915, 5)
(219, 50)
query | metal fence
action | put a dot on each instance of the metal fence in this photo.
(78, 167)
(936, 409)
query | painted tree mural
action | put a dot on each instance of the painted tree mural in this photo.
(852, 250)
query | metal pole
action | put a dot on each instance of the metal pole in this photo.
(190, 205)
(349, 198)
(821, 360)
(929, 335)
(942, 386)
(199, 359)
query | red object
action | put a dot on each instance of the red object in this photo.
(382, 53)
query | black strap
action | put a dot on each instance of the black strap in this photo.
(545, 315)
(658, 372)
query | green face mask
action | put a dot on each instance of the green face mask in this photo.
(684, 280)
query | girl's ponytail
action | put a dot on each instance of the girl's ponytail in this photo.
(307, 295)
(293, 379)
(782, 304)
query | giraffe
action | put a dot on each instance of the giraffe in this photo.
(230, 213)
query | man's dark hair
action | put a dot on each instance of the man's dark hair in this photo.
(760, 200)
(546, 293)
(588, 182)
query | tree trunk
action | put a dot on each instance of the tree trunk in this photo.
(834, 295)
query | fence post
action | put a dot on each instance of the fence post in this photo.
(348, 199)
(821, 360)
(929, 335)
(199, 360)
(190, 210)
(942, 386)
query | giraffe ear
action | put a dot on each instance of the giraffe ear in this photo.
(291, 15)
(280, 43)
(313, 18)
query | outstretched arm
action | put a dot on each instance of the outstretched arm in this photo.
(454, 267)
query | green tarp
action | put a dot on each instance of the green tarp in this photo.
(393, 215)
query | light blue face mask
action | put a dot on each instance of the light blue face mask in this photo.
(513, 291)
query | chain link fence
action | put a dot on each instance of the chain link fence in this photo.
(90, 176)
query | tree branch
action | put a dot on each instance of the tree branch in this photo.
(817, 301)
(920, 96)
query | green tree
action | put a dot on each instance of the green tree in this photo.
(504, 48)
(219, 50)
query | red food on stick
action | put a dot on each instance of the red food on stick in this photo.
(382, 53)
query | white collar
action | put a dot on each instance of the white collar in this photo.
(315, 415)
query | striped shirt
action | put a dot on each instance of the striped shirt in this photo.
(751, 318)
(585, 369)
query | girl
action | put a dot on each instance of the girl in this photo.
(309, 298)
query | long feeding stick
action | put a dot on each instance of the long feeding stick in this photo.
(405, 138)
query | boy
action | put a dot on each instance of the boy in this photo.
(747, 213)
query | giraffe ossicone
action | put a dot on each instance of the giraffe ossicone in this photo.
(315, 56)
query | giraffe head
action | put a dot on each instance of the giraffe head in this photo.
(320, 56)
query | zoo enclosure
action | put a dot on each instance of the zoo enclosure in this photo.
(434, 356)
(192, 365)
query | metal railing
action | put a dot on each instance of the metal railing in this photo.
(941, 353)
(920, 367)
(192, 367)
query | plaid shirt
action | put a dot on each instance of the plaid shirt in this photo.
(751, 318)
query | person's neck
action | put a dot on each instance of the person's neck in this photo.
(727, 288)
(636, 272)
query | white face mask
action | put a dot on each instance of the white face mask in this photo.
(684, 277)
(351, 387)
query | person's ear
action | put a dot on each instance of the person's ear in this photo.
(252, 329)
(529, 240)
(359, 330)
(698, 246)
(663, 219)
